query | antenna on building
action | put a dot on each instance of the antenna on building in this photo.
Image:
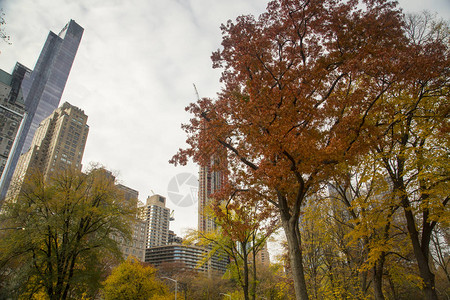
(152, 192)
(172, 218)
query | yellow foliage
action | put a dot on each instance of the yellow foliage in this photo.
(133, 280)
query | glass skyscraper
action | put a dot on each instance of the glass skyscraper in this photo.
(43, 88)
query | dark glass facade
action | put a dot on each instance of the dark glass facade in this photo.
(49, 76)
(12, 116)
(44, 87)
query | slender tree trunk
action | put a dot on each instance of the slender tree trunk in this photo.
(255, 278)
(245, 265)
(292, 232)
(379, 264)
(363, 282)
(392, 287)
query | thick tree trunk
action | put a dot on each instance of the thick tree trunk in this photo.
(378, 279)
(421, 254)
(420, 248)
(292, 232)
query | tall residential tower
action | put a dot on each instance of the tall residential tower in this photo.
(58, 143)
(157, 216)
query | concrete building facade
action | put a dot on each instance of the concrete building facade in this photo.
(174, 239)
(263, 256)
(136, 246)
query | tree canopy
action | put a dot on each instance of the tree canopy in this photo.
(68, 220)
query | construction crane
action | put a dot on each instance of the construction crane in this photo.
(196, 92)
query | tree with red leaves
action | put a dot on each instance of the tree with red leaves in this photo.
(301, 83)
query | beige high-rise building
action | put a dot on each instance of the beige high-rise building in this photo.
(157, 216)
(58, 143)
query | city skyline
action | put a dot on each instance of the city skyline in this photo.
(148, 58)
(42, 87)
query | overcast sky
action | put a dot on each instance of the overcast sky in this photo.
(133, 75)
